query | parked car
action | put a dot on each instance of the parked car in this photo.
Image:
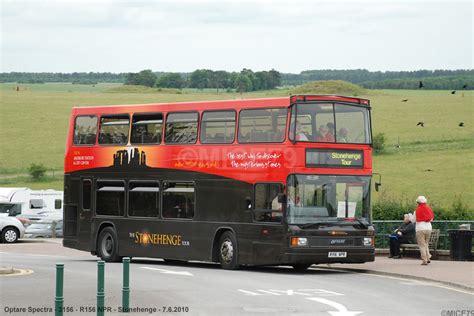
(44, 229)
(11, 229)
(27, 220)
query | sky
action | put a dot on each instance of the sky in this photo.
(185, 35)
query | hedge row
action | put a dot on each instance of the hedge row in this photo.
(393, 208)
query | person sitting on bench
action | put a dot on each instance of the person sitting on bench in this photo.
(405, 234)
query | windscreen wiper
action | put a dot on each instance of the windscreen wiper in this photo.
(363, 222)
(317, 224)
(311, 225)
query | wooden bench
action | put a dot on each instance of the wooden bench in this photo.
(432, 245)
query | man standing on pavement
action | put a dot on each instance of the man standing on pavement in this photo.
(424, 215)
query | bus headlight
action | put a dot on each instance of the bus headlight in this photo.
(299, 241)
(368, 241)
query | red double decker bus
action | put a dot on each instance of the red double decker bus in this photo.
(281, 181)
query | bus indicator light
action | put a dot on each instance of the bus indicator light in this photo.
(299, 241)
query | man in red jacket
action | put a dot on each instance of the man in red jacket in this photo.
(424, 216)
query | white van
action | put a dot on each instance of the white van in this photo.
(24, 201)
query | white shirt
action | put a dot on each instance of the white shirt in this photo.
(421, 225)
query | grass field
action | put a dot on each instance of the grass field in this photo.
(33, 125)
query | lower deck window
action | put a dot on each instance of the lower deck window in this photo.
(178, 200)
(267, 207)
(143, 199)
(110, 198)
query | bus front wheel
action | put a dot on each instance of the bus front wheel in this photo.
(107, 245)
(228, 252)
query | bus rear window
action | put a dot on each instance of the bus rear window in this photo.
(181, 128)
(114, 129)
(85, 130)
(262, 125)
(147, 128)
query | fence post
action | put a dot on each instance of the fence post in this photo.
(59, 299)
(100, 287)
(126, 284)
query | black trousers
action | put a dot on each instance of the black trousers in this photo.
(395, 245)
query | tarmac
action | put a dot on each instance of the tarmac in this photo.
(458, 274)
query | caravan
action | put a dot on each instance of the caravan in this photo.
(27, 202)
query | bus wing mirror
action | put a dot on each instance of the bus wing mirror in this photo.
(379, 183)
(249, 203)
(281, 198)
(377, 186)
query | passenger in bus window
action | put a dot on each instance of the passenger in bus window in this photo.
(324, 135)
(300, 135)
(342, 135)
(331, 131)
(276, 206)
(294, 202)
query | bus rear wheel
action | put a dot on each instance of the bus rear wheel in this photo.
(228, 251)
(107, 245)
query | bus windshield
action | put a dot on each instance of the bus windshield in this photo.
(330, 123)
(316, 199)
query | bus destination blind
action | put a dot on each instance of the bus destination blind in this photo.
(333, 158)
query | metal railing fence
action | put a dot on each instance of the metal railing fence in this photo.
(384, 228)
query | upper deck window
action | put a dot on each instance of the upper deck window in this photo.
(218, 127)
(147, 128)
(352, 124)
(330, 123)
(262, 125)
(114, 129)
(181, 128)
(85, 130)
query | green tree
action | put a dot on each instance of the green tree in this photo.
(37, 171)
(378, 142)
(243, 83)
(144, 78)
(273, 79)
(199, 79)
(255, 83)
(171, 80)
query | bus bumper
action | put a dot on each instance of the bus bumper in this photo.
(355, 255)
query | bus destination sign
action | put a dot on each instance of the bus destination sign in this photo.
(327, 158)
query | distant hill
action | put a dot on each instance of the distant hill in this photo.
(329, 87)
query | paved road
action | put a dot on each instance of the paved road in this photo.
(204, 289)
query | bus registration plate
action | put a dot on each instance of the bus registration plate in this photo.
(337, 254)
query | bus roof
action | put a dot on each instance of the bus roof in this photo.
(216, 104)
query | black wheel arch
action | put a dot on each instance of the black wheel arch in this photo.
(215, 242)
(101, 227)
